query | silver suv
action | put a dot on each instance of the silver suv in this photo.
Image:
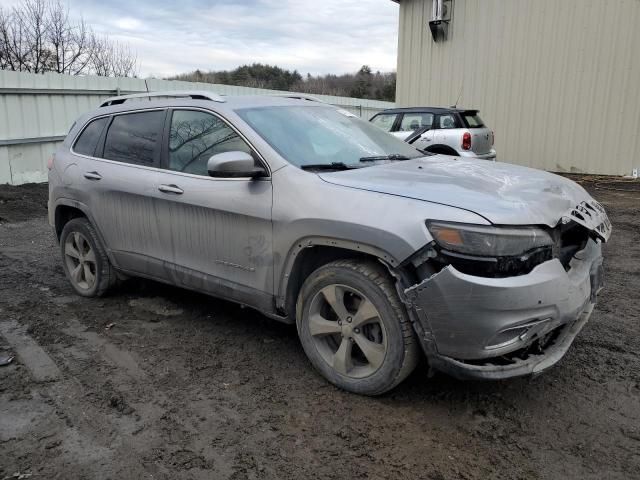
(448, 131)
(314, 217)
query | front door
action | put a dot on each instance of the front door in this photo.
(219, 229)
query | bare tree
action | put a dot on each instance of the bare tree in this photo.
(39, 36)
(112, 59)
(32, 25)
(16, 48)
(71, 43)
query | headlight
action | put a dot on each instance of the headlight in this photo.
(488, 241)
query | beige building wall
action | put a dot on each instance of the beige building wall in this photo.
(558, 80)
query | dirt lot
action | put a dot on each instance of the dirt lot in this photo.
(183, 386)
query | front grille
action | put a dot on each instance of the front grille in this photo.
(592, 216)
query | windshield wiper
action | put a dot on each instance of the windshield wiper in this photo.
(393, 156)
(328, 166)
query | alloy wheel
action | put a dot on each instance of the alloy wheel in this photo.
(347, 331)
(81, 260)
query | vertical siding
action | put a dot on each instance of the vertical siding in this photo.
(27, 111)
(558, 80)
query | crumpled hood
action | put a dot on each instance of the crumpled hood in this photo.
(500, 192)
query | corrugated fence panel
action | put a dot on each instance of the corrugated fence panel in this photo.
(36, 111)
(556, 80)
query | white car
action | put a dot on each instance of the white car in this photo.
(448, 131)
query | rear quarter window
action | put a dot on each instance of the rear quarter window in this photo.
(88, 140)
(472, 120)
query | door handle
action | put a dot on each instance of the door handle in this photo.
(171, 189)
(92, 176)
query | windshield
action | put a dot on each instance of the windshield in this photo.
(314, 135)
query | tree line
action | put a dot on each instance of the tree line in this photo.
(38, 36)
(362, 84)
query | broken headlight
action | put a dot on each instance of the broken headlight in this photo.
(487, 240)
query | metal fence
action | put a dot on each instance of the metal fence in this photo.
(36, 112)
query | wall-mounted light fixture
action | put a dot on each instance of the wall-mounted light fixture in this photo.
(440, 19)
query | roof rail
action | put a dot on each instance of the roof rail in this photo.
(298, 96)
(193, 94)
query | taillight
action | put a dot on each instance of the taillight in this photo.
(466, 141)
(50, 162)
(493, 138)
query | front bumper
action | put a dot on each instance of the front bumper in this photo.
(476, 327)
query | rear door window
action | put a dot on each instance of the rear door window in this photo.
(384, 121)
(195, 136)
(447, 121)
(88, 140)
(472, 120)
(135, 138)
(415, 121)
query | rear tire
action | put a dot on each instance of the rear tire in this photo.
(85, 259)
(354, 329)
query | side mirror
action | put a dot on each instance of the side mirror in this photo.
(234, 164)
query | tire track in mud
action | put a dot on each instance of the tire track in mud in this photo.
(150, 409)
(101, 425)
(88, 435)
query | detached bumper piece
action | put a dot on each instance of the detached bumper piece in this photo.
(494, 328)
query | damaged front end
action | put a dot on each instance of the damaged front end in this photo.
(499, 316)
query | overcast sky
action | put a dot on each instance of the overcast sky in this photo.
(316, 36)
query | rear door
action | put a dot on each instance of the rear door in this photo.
(220, 229)
(481, 136)
(120, 179)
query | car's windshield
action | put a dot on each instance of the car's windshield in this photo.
(318, 135)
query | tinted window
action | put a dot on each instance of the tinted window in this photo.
(414, 121)
(135, 138)
(384, 121)
(88, 139)
(196, 136)
(472, 119)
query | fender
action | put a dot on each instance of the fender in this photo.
(313, 241)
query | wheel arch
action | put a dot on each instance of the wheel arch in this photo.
(442, 149)
(310, 253)
(65, 211)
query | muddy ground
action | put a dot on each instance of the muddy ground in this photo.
(157, 382)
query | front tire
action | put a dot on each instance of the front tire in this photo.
(354, 329)
(85, 260)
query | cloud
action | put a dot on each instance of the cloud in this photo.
(326, 36)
